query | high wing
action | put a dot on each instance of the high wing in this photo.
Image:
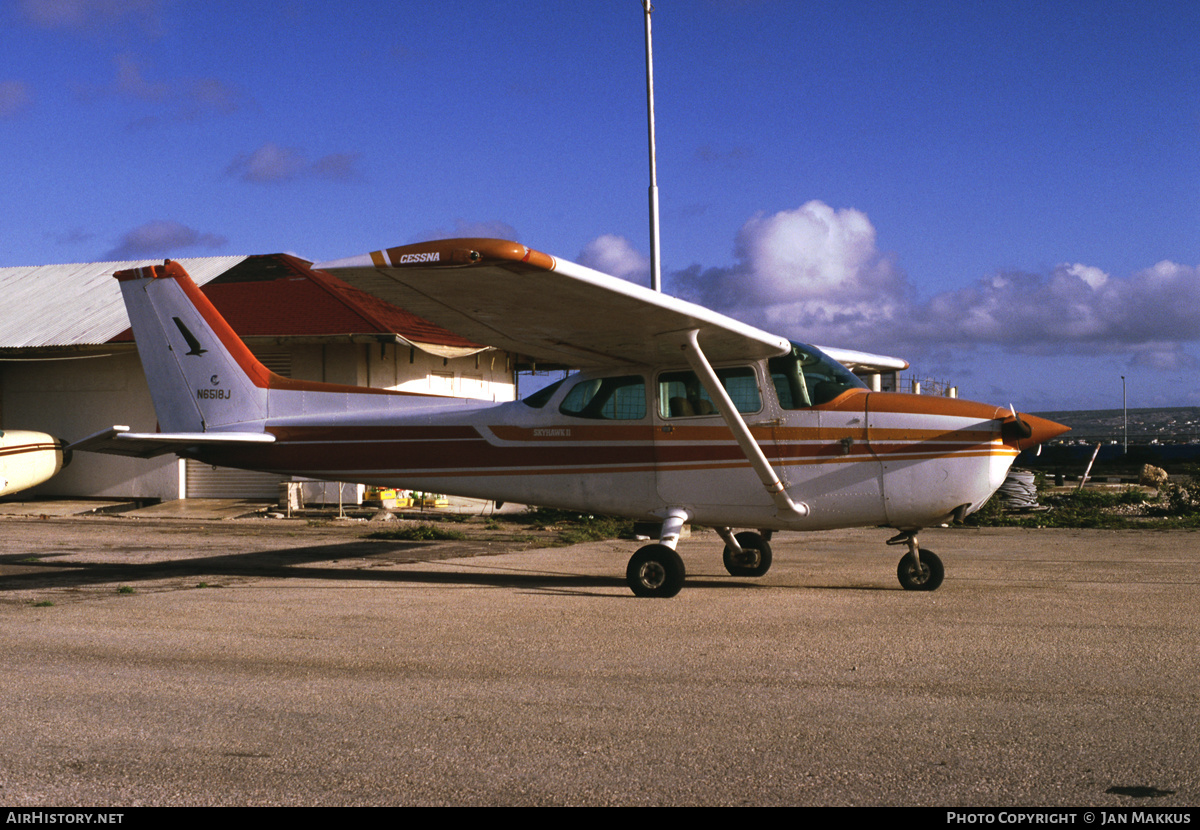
(118, 440)
(857, 361)
(505, 295)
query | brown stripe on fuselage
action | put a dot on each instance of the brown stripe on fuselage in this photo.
(21, 449)
(423, 449)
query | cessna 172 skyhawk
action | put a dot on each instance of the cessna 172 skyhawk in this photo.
(678, 413)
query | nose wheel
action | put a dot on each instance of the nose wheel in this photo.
(919, 569)
(655, 571)
(926, 574)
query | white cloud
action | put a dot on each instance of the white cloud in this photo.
(161, 238)
(612, 254)
(815, 274)
(90, 14)
(812, 273)
(15, 98)
(271, 163)
(1092, 276)
(174, 100)
(811, 251)
(1074, 308)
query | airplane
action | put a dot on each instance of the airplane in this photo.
(677, 413)
(29, 458)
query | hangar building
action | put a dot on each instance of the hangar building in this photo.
(69, 367)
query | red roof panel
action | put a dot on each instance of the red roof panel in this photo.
(280, 296)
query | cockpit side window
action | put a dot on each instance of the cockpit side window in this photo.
(610, 399)
(809, 377)
(680, 394)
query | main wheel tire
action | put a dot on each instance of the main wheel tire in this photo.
(926, 578)
(755, 559)
(655, 571)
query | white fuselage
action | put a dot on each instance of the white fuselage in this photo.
(860, 459)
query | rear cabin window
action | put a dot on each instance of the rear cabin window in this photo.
(608, 399)
(681, 395)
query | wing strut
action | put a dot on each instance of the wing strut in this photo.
(741, 432)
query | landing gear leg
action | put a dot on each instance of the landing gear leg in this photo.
(657, 570)
(919, 569)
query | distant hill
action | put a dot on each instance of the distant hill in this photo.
(1175, 424)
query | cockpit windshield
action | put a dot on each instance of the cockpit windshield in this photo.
(542, 396)
(809, 377)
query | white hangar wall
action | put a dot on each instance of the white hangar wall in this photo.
(71, 399)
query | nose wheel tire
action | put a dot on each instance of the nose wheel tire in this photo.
(925, 577)
(655, 571)
(755, 558)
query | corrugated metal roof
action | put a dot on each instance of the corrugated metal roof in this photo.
(78, 304)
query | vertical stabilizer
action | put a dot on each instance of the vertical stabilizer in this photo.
(201, 374)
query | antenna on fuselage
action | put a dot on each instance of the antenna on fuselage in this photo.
(655, 252)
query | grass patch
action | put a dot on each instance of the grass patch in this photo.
(420, 533)
(43, 603)
(573, 528)
(126, 589)
(1174, 508)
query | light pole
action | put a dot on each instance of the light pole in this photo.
(655, 252)
(1124, 415)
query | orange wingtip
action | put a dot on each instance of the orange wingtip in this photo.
(457, 252)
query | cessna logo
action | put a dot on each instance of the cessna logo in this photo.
(431, 256)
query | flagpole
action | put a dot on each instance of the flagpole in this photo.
(655, 251)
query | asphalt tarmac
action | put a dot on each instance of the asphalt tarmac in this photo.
(254, 662)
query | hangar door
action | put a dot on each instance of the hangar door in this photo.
(205, 481)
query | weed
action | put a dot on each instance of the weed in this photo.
(126, 589)
(420, 533)
(43, 603)
(573, 528)
(594, 529)
(1111, 509)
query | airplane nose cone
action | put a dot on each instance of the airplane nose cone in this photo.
(1026, 431)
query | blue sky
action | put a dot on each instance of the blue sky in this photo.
(1005, 193)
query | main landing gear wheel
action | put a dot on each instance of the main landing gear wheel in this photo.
(755, 558)
(655, 571)
(927, 577)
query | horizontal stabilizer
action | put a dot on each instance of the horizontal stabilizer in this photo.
(118, 440)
